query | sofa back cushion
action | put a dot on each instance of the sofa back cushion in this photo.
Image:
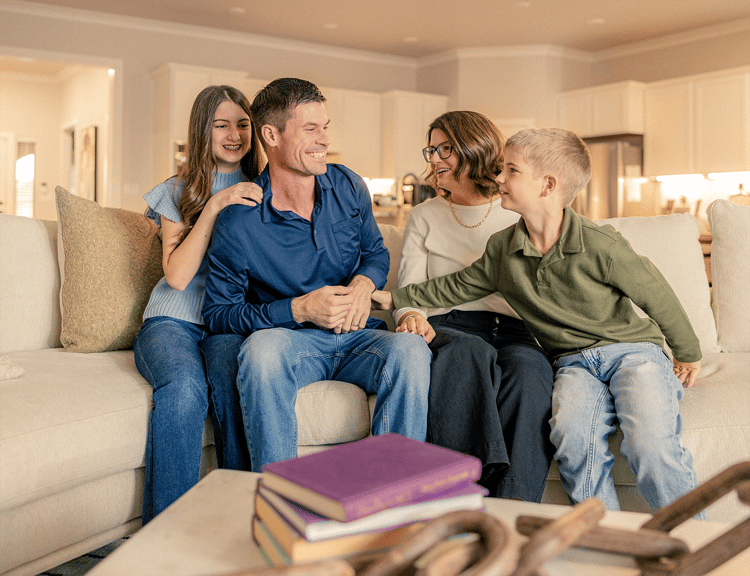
(671, 243)
(29, 284)
(730, 273)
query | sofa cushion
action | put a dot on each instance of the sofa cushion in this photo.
(69, 419)
(730, 273)
(29, 284)
(671, 243)
(110, 260)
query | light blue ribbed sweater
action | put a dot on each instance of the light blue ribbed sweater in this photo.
(184, 304)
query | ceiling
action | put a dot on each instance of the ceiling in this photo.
(421, 28)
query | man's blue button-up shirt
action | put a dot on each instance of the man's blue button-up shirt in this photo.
(261, 258)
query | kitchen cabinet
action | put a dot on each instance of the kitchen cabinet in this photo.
(406, 117)
(602, 110)
(722, 123)
(698, 124)
(668, 128)
(355, 129)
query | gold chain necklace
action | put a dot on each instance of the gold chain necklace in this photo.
(466, 225)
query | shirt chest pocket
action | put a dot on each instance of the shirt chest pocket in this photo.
(347, 239)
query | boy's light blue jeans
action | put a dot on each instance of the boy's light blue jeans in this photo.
(277, 362)
(193, 374)
(633, 383)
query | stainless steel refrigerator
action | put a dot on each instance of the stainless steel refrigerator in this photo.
(616, 171)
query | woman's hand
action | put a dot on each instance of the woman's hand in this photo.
(687, 372)
(416, 324)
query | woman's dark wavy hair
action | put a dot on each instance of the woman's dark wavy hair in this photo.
(197, 173)
(477, 144)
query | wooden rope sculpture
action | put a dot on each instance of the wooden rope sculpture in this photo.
(657, 553)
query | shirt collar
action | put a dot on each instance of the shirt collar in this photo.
(570, 241)
(323, 184)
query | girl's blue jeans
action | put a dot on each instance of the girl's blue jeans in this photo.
(193, 374)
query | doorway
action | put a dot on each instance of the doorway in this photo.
(53, 103)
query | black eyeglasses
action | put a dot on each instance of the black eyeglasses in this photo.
(443, 150)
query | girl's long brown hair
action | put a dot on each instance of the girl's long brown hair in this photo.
(197, 173)
(478, 145)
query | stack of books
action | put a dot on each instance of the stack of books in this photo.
(357, 500)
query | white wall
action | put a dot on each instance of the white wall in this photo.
(30, 110)
(707, 50)
(84, 102)
(506, 83)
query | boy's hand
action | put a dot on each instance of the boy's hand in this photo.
(381, 300)
(687, 372)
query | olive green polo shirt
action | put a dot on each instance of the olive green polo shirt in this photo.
(576, 296)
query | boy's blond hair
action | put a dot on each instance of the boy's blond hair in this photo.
(557, 152)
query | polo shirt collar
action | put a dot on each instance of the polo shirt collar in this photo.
(570, 241)
(268, 213)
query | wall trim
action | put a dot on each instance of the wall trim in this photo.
(672, 40)
(507, 52)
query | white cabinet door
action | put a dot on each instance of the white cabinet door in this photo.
(722, 124)
(668, 129)
(354, 129)
(602, 110)
(362, 138)
(698, 124)
(406, 117)
(617, 109)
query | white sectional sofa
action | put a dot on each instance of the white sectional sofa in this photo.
(73, 425)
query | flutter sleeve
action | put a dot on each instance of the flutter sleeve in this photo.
(163, 200)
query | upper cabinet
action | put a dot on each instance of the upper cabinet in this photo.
(406, 116)
(698, 124)
(602, 110)
(355, 129)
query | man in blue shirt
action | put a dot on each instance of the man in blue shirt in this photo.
(295, 274)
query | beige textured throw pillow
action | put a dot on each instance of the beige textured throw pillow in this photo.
(110, 260)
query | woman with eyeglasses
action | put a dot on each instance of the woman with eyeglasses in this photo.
(491, 383)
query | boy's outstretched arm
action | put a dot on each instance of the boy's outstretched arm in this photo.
(687, 372)
(382, 300)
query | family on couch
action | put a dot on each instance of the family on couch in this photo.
(268, 288)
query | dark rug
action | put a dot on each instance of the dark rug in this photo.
(82, 564)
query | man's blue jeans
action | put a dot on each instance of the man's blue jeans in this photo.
(276, 363)
(634, 384)
(190, 372)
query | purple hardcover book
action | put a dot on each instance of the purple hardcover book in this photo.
(354, 480)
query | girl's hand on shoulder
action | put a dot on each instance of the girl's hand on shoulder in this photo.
(246, 193)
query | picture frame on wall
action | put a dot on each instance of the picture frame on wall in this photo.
(87, 164)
